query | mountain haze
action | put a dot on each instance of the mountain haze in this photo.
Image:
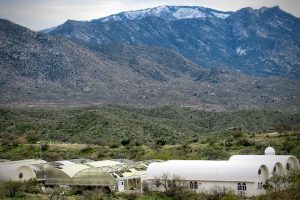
(264, 42)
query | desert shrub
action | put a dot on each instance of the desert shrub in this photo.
(237, 134)
(244, 142)
(98, 194)
(161, 142)
(56, 194)
(114, 145)
(125, 142)
(13, 188)
(230, 196)
(217, 193)
(32, 186)
(154, 195)
(130, 195)
(86, 150)
(44, 147)
(33, 136)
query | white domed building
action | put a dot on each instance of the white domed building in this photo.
(21, 170)
(243, 174)
(270, 151)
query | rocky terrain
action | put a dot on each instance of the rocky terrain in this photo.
(261, 42)
(42, 69)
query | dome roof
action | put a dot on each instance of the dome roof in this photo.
(269, 151)
(207, 170)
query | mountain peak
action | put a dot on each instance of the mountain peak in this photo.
(260, 10)
(169, 13)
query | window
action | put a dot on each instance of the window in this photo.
(195, 185)
(274, 169)
(191, 185)
(239, 186)
(259, 171)
(20, 176)
(260, 186)
(288, 166)
(242, 186)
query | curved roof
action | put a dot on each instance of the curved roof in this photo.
(103, 163)
(23, 162)
(72, 170)
(11, 172)
(269, 151)
(9, 169)
(283, 159)
(65, 162)
(270, 163)
(206, 170)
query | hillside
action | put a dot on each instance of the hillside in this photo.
(114, 124)
(38, 69)
(262, 42)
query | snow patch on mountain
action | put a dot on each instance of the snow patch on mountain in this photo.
(169, 13)
(188, 13)
(241, 51)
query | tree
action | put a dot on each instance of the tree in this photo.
(171, 185)
(277, 182)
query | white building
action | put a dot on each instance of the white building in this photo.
(242, 174)
(21, 170)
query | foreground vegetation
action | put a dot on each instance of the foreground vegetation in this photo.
(174, 191)
(144, 133)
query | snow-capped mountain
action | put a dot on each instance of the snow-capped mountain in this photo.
(38, 68)
(262, 41)
(168, 13)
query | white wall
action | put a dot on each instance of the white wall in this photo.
(210, 186)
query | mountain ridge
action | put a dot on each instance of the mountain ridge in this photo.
(261, 42)
(40, 69)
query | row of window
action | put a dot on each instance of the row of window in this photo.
(242, 186)
(194, 185)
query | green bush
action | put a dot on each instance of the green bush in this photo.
(32, 186)
(12, 188)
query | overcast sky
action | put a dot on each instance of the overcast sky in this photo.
(40, 14)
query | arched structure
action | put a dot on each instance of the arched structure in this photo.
(19, 170)
(283, 163)
(77, 174)
(237, 176)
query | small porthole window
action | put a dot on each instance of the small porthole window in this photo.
(259, 172)
(20, 175)
(274, 169)
(288, 166)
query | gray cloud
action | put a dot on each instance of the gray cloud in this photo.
(39, 14)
